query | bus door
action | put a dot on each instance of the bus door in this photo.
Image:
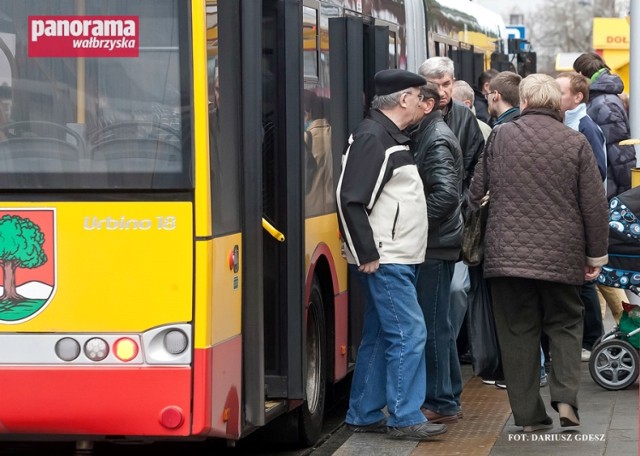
(270, 90)
(362, 49)
(282, 198)
(468, 64)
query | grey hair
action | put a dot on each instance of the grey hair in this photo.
(388, 101)
(540, 91)
(462, 91)
(436, 67)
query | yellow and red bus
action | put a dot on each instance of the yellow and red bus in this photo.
(171, 266)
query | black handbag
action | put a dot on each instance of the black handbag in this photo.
(475, 227)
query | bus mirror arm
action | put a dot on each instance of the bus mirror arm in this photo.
(272, 230)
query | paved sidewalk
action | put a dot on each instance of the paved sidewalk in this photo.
(608, 423)
(609, 427)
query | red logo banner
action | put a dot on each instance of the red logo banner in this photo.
(83, 36)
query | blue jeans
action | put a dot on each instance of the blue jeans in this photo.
(390, 369)
(444, 378)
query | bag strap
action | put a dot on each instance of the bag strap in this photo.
(485, 175)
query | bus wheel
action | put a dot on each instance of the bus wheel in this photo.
(312, 411)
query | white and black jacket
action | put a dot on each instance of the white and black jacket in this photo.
(381, 204)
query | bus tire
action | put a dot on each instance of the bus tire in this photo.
(311, 413)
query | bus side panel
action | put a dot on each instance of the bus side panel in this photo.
(342, 335)
(95, 401)
(322, 240)
(226, 396)
(201, 392)
(218, 341)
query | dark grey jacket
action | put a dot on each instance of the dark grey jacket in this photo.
(548, 215)
(439, 160)
(606, 109)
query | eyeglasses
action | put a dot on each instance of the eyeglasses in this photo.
(419, 95)
(487, 94)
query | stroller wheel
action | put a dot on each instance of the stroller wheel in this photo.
(614, 364)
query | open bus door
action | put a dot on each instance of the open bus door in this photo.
(362, 51)
(286, 348)
(273, 260)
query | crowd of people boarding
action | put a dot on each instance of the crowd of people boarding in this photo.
(547, 149)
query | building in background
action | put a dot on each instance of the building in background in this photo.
(611, 40)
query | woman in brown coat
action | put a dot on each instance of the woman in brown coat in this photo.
(546, 235)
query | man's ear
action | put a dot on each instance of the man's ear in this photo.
(580, 97)
(431, 105)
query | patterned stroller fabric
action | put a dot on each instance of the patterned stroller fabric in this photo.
(623, 269)
(624, 231)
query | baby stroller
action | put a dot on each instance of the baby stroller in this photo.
(614, 362)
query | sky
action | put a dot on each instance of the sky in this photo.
(504, 7)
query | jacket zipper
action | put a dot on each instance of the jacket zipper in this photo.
(395, 221)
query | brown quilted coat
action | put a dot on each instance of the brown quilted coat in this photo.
(548, 214)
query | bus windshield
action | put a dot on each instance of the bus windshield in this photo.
(94, 94)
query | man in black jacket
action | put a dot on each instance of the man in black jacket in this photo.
(460, 120)
(463, 124)
(439, 161)
(504, 98)
(480, 100)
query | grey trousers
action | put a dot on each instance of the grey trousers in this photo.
(523, 309)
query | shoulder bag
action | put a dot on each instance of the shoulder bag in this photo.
(475, 227)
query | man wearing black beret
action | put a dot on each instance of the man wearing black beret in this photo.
(383, 221)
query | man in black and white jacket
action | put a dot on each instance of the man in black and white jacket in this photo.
(383, 221)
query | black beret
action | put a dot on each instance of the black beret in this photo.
(392, 81)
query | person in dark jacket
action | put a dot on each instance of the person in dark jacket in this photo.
(607, 110)
(480, 100)
(503, 97)
(383, 222)
(439, 161)
(463, 124)
(461, 121)
(575, 91)
(547, 233)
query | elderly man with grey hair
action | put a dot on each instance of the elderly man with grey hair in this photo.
(464, 93)
(440, 71)
(383, 222)
(444, 387)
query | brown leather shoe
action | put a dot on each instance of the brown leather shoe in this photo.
(434, 417)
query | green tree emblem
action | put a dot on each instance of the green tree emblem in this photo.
(20, 247)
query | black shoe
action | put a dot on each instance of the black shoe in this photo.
(377, 428)
(501, 384)
(465, 358)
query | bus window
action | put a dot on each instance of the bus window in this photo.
(310, 41)
(106, 113)
(223, 76)
(393, 50)
(319, 197)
